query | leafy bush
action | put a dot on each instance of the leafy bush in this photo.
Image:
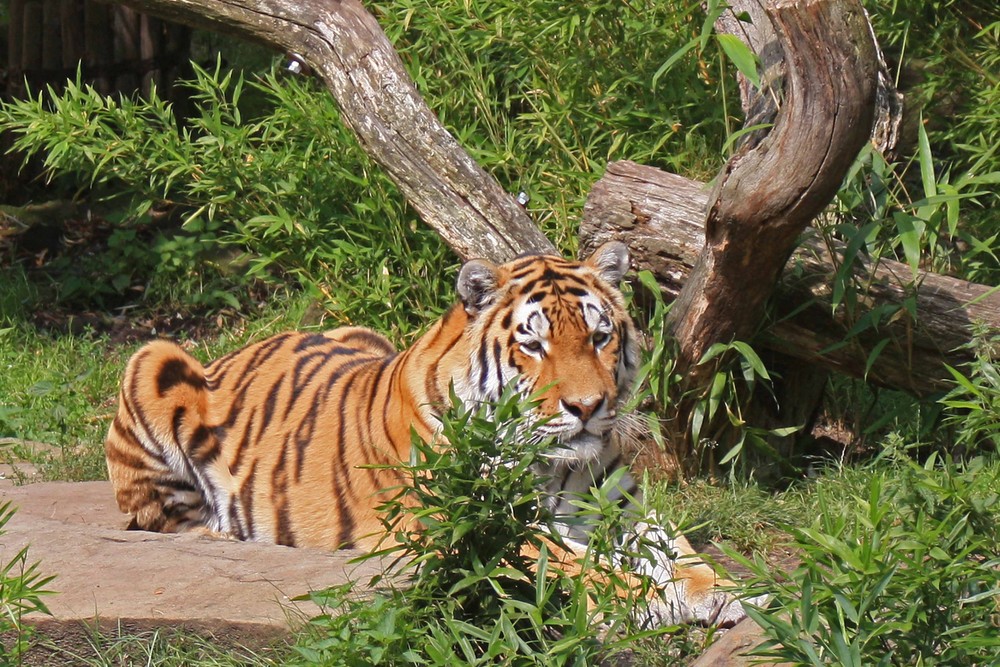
(543, 93)
(22, 587)
(716, 423)
(946, 55)
(470, 526)
(903, 574)
(288, 189)
(974, 404)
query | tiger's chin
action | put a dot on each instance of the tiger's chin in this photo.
(578, 450)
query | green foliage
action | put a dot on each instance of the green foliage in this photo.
(286, 195)
(902, 573)
(165, 647)
(469, 525)
(543, 93)
(974, 404)
(879, 214)
(54, 391)
(947, 55)
(22, 587)
(716, 423)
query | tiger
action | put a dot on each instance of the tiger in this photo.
(291, 440)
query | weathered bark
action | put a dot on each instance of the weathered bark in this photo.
(765, 196)
(661, 217)
(773, 186)
(748, 20)
(345, 46)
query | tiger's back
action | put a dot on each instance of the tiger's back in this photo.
(263, 444)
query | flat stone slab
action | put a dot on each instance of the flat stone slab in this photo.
(120, 582)
(108, 576)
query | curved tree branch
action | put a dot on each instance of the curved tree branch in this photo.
(343, 43)
(770, 190)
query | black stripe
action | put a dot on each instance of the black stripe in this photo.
(313, 340)
(175, 426)
(246, 500)
(174, 484)
(379, 372)
(198, 451)
(261, 355)
(300, 384)
(341, 474)
(283, 533)
(484, 370)
(269, 402)
(175, 372)
(374, 342)
(245, 442)
(499, 366)
(303, 438)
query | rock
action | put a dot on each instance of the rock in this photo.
(120, 582)
(731, 649)
(109, 577)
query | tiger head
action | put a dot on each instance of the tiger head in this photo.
(559, 330)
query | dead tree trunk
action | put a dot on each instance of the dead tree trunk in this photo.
(768, 193)
(773, 186)
(661, 216)
(345, 46)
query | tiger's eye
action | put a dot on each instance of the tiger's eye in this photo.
(532, 346)
(599, 338)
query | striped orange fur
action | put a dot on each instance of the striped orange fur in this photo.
(271, 442)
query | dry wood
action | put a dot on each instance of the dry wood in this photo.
(772, 187)
(31, 45)
(51, 37)
(71, 19)
(768, 193)
(748, 20)
(660, 216)
(99, 43)
(345, 46)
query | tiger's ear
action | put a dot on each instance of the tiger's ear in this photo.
(611, 261)
(477, 284)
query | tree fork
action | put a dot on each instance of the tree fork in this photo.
(770, 190)
(661, 215)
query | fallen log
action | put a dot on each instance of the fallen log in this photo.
(661, 217)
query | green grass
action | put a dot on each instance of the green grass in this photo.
(161, 648)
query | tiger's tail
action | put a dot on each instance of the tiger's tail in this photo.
(159, 443)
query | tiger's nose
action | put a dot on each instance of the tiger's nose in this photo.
(583, 408)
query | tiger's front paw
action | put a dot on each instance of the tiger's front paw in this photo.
(717, 608)
(676, 606)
